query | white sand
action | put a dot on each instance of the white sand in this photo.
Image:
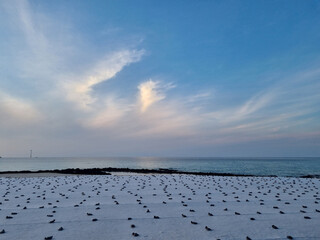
(166, 196)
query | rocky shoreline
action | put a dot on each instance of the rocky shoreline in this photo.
(108, 171)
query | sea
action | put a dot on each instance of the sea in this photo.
(293, 167)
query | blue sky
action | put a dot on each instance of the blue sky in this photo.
(160, 78)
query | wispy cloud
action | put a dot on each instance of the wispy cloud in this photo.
(113, 111)
(254, 104)
(151, 92)
(248, 109)
(17, 112)
(37, 50)
(79, 89)
(287, 106)
(202, 96)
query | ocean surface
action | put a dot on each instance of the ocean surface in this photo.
(254, 166)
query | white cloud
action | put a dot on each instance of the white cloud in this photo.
(151, 92)
(79, 89)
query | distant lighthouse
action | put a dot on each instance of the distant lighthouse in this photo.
(30, 153)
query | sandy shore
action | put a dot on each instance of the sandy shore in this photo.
(161, 206)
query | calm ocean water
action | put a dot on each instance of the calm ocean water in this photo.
(255, 166)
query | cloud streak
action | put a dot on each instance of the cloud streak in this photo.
(79, 89)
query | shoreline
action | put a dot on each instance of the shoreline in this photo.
(109, 171)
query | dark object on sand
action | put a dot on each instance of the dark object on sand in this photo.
(208, 229)
(135, 234)
(274, 227)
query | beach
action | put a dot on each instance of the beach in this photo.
(159, 120)
(158, 206)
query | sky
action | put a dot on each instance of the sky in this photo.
(160, 78)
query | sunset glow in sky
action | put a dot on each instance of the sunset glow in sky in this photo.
(160, 78)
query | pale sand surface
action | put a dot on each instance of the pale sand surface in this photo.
(232, 207)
